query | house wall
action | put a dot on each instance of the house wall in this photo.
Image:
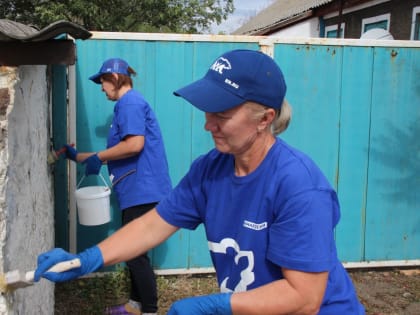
(26, 200)
(401, 14)
(308, 28)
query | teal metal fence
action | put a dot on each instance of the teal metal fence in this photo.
(355, 112)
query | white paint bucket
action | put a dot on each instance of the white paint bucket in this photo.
(93, 204)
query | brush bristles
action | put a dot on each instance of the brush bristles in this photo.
(15, 279)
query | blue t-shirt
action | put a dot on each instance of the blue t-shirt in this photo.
(143, 178)
(283, 214)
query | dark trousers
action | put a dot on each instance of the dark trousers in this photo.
(142, 276)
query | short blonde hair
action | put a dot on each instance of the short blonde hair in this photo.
(281, 120)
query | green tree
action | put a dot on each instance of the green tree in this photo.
(180, 16)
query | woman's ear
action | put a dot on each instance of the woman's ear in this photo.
(268, 117)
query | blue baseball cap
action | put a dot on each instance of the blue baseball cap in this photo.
(234, 78)
(113, 65)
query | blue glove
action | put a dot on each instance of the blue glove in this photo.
(90, 260)
(214, 304)
(93, 165)
(70, 153)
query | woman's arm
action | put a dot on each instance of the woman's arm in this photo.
(298, 293)
(135, 238)
(128, 242)
(129, 146)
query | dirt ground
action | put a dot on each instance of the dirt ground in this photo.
(382, 292)
(390, 292)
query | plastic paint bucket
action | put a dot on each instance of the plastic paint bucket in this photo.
(93, 204)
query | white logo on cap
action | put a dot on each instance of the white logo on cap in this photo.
(220, 65)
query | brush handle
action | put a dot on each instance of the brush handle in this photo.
(60, 267)
(62, 150)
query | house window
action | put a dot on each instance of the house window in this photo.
(415, 29)
(331, 31)
(380, 21)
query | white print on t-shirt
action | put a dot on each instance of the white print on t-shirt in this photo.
(255, 226)
(247, 275)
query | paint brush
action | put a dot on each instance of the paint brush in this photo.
(55, 155)
(16, 279)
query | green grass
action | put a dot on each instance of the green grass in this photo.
(92, 295)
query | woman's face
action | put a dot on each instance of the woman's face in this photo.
(233, 131)
(110, 90)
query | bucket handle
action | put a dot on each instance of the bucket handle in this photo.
(100, 175)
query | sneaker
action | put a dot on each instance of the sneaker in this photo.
(123, 309)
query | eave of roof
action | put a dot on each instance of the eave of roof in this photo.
(14, 31)
(279, 13)
(46, 46)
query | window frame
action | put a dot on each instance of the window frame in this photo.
(415, 19)
(333, 27)
(375, 19)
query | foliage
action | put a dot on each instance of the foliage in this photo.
(181, 16)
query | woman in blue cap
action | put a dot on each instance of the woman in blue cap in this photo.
(269, 212)
(138, 169)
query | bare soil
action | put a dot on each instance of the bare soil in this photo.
(383, 292)
(390, 292)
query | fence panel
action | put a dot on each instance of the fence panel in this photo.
(355, 112)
